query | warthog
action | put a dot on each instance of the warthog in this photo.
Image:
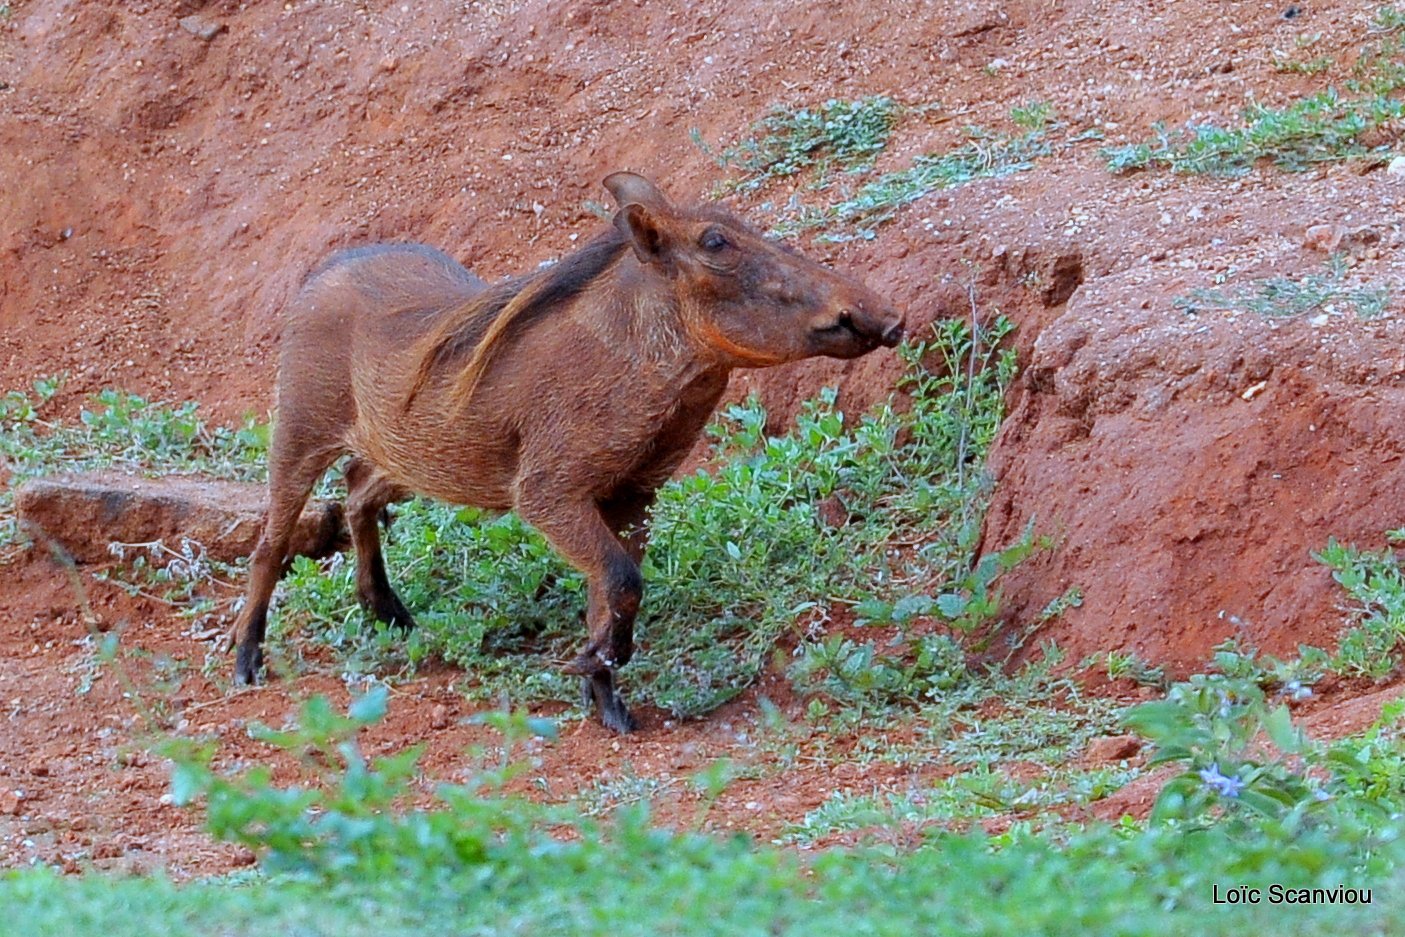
(568, 395)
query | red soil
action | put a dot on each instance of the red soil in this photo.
(164, 194)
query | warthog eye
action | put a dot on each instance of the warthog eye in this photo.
(713, 240)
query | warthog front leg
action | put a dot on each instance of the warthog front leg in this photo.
(599, 689)
(579, 533)
(368, 493)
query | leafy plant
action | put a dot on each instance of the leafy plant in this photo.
(958, 800)
(1247, 763)
(1314, 66)
(1033, 115)
(739, 552)
(1322, 128)
(836, 136)
(839, 140)
(858, 673)
(347, 851)
(985, 154)
(1293, 677)
(343, 821)
(1373, 579)
(1126, 665)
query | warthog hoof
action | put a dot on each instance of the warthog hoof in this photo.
(248, 663)
(599, 688)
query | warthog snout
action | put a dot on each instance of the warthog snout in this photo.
(884, 327)
(859, 325)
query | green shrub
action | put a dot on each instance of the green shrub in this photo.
(1325, 127)
(836, 136)
(1371, 647)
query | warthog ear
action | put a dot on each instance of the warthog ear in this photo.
(643, 209)
(629, 187)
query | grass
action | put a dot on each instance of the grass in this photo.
(956, 802)
(839, 141)
(834, 137)
(1360, 122)
(1120, 665)
(1323, 128)
(1315, 66)
(986, 154)
(1286, 297)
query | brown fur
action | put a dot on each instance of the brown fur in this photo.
(568, 395)
(507, 310)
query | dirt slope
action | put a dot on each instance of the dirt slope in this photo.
(162, 194)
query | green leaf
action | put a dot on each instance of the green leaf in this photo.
(910, 606)
(952, 605)
(1279, 726)
(370, 708)
(187, 781)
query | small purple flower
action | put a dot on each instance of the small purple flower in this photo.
(1221, 784)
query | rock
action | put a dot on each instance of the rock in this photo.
(1396, 167)
(1324, 237)
(1330, 238)
(9, 803)
(1113, 748)
(84, 513)
(439, 717)
(976, 18)
(107, 850)
(201, 27)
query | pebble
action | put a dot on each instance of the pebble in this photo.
(201, 27)
(10, 803)
(1396, 167)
